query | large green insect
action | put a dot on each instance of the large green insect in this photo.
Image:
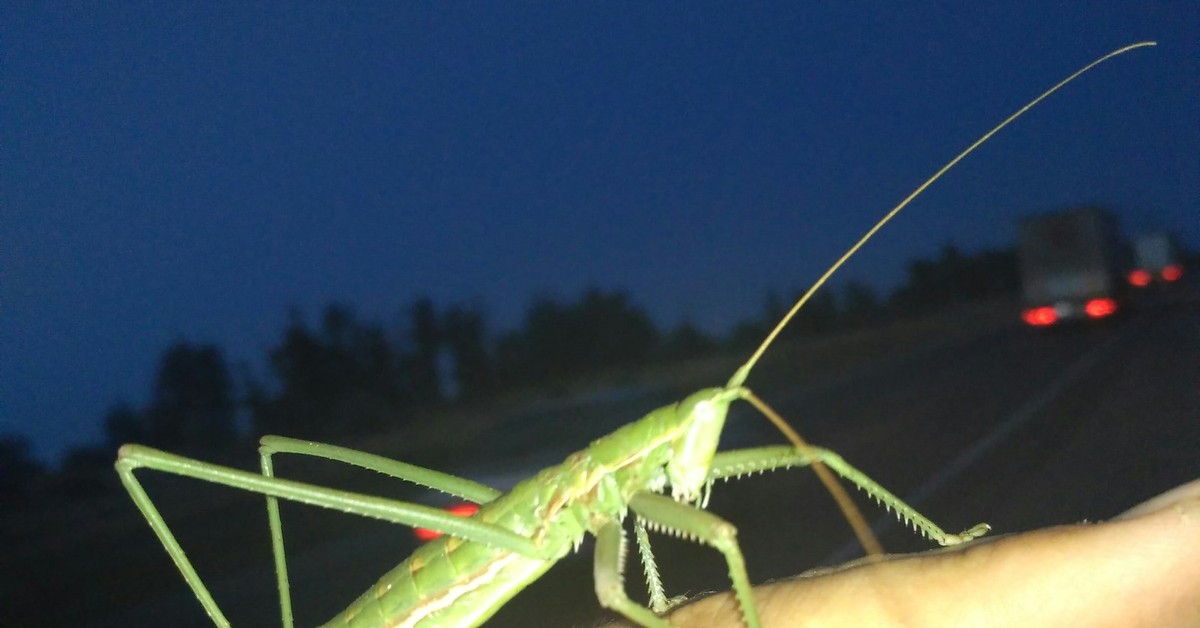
(463, 578)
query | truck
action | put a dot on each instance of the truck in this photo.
(1072, 266)
(1157, 260)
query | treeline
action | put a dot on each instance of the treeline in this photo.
(341, 376)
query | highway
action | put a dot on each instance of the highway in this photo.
(971, 421)
(1017, 429)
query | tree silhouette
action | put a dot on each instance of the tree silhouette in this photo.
(686, 342)
(345, 376)
(955, 278)
(559, 342)
(85, 471)
(994, 272)
(18, 469)
(860, 305)
(427, 341)
(342, 378)
(123, 424)
(463, 330)
(819, 315)
(748, 333)
(192, 407)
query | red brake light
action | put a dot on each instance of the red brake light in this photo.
(1098, 308)
(1039, 316)
(458, 510)
(1139, 278)
(1172, 272)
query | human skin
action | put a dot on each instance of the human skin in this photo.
(1139, 569)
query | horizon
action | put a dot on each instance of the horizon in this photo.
(195, 172)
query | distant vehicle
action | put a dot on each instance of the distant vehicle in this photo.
(1156, 260)
(1072, 266)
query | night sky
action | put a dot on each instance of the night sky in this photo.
(192, 172)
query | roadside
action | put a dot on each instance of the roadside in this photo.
(104, 543)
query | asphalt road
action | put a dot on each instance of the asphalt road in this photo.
(1019, 428)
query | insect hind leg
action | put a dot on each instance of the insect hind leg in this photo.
(126, 463)
(272, 445)
(850, 511)
(133, 457)
(732, 464)
(437, 480)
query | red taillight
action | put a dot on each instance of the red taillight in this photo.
(459, 510)
(1039, 316)
(1139, 278)
(1099, 308)
(1172, 272)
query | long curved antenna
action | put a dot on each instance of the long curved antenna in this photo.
(739, 376)
(849, 510)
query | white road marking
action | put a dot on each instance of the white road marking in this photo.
(985, 444)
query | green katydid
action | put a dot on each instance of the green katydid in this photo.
(462, 578)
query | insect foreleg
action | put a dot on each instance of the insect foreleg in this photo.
(684, 520)
(607, 574)
(687, 521)
(658, 598)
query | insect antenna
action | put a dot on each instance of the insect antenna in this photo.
(851, 512)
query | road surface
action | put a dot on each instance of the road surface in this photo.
(1016, 427)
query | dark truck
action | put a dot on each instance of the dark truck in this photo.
(1157, 260)
(1072, 266)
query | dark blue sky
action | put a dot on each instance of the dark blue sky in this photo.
(192, 172)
